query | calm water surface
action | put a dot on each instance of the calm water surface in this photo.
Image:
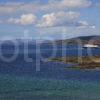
(19, 78)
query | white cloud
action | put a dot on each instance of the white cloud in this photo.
(13, 7)
(6, 8)
(58, 19)
(65, 4)
(71, 3)
(18, 7)
(97, 5)
(24, 19)
(84, 24)
(1, 21)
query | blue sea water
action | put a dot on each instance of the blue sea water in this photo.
(20, 80)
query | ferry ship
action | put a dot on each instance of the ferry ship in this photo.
(90, 46)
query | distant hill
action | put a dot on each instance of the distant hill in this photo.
(83, 39)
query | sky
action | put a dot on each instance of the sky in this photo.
(49, 19)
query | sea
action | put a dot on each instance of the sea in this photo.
(37, 78)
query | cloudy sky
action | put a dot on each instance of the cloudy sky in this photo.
(49, 19)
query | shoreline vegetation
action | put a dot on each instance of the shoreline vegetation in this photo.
(84, 62)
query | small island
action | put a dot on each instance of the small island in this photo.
(84, 62)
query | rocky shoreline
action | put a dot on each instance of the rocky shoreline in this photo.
(84, 62)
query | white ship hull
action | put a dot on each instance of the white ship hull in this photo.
(90, 46)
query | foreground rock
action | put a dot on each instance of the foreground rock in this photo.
(81, 62)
